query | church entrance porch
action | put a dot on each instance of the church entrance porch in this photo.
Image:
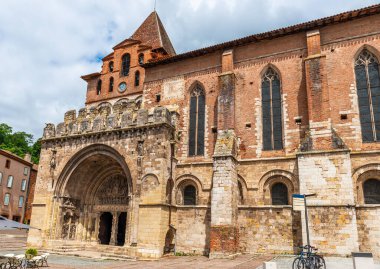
(94, 201)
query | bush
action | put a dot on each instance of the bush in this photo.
(31, 251)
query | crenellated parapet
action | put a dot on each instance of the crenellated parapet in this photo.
(103, 118)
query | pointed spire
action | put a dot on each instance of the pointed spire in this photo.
(152, 32)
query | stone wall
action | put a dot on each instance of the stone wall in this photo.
(368, 219)
(270, 229)
(193, 229)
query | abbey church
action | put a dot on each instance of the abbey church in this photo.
(201, 152)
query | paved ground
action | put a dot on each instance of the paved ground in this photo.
(15, 242)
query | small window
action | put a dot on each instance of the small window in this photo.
(26, 170)
(99, 87)
(110, 66)
(8, 164)
(125, 64)
(10, 182)
(141, 58)
(189, 195)
(21, 201)
(111, 85)
(23, 185)
(279, 194)
(1, 178)
(371, 189)
(137, 78)
(7, 197)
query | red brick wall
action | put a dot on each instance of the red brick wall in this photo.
(31, 188)
(339, 45)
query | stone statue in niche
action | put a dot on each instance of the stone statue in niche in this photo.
(53, 162)
(140, 148)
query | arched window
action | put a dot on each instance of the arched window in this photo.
(279, 193)
(110, 66)
(368, 87)
(141, 58)
(197, 122)
(125, 64)
(371, 189)
(189, 195)
(99, 87)
(271, 110)
(137, 78)
(111, 85)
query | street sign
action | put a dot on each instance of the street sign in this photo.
(298, 202)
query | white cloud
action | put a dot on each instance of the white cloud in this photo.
(45, 46)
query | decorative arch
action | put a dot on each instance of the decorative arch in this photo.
(370, 48)
(361, 175)
(104, 108)
(182, 182)
(275, 68)
(83, 155)
(273, 177)
(149, 183)
(367, 75)
(242, 190)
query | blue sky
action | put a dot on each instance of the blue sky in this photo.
(45, 46)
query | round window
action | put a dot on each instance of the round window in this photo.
(122, 87)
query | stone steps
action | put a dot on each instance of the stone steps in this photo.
(117, 257)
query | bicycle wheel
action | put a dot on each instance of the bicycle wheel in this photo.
(299, 263)
(320, 262)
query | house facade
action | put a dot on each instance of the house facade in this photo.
(202, 151)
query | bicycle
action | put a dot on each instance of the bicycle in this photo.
(309, 259)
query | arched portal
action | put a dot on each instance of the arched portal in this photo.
(94, 192)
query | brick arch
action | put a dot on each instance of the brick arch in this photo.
(370, 48)
(361, 175)
(183, 181)
(275, 68)
(194, 84)
(277, 176)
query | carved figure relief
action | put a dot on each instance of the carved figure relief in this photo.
(114, 191)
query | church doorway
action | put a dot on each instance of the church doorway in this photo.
(122, 224)
(105, 228)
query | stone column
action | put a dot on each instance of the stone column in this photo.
(224, 232)
(115, 221)
(78, 235)
(97, 225)
(134, 220)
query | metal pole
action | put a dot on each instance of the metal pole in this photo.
(307, 223)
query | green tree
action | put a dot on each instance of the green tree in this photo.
(19, 143)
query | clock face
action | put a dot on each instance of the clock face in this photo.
(122, 87)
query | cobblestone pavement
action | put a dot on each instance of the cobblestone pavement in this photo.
(14, 242)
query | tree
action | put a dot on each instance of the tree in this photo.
(19, 143)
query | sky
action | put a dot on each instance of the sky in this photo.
(45, 46)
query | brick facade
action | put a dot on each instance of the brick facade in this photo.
(145, 132)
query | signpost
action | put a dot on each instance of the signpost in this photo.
(299, 204)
